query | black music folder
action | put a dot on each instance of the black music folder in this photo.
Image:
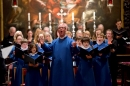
(28, 58)
(19, 52)
(105, 50)
(38, 59)
(84, 52)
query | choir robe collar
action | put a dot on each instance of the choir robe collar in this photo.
(86, 48)
(89, 49)
(100, 46)
(23, 49)
(34, 56)
(31, 54)
(119, 29)
(63, 37)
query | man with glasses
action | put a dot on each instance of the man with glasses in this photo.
(62, 49)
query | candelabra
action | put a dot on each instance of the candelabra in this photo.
(94, 25)
(40, 24)
(50, 27)
(84, 27)
(73, 29)
(29, 27)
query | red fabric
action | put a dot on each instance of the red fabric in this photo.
(25, 71)
(14, 2)
(118, 81)
(110, 2)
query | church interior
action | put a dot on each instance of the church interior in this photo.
(83, 16)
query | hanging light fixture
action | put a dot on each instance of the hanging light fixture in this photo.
(15, 4)
(110, 4)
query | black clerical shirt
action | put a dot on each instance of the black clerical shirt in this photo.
(120, 41)
(7, 41)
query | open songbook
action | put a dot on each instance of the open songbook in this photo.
(37, 59)
(105, 50)
(96, 51)
(19, 53)
(6, 51)
(84, 52)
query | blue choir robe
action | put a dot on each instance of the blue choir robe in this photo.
(91, 42)
(44, 69)
(16, 79)
(77, 60)
(101, 67)
(62, 64)
(33, 75)
(85, 73)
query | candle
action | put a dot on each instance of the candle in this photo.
(94, 15)
(28, 16)
(49, 16)
(83, 15)
(39, 16)
(73, 16)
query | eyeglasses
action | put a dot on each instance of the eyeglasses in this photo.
(61, 27)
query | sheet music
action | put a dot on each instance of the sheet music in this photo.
(6, 51)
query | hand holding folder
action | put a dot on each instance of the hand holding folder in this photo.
(29, 59)
(84, 53)
(19, 52)
(105, 50)
(38, 59)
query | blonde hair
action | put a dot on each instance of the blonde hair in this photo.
(79, 31)
(47, 33)
(38, 30)
(24, 41)
(110, 31)
(18, 33)
(94, 35)
(68, 33)
(36, 39)
(87, 33)
(101, 34)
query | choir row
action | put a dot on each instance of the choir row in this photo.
(92, 71)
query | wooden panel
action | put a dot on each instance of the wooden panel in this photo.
(123, 57)
(1, 20)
